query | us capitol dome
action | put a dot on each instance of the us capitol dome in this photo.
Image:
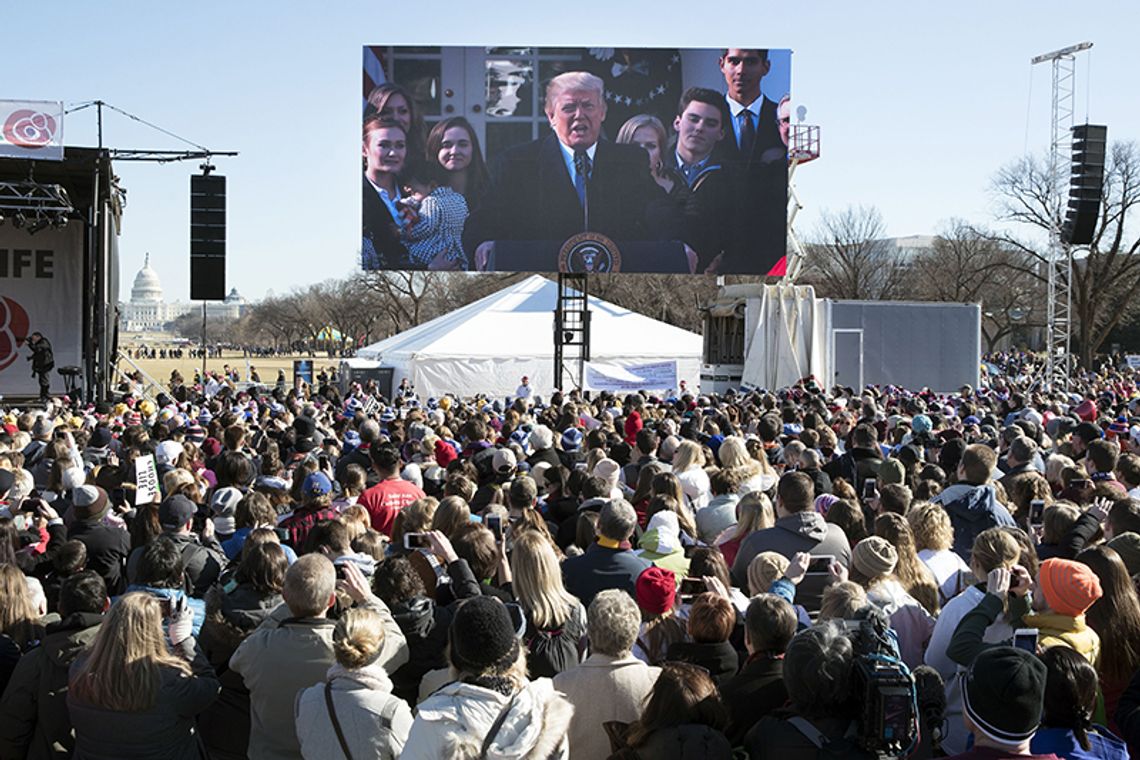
(148, 311)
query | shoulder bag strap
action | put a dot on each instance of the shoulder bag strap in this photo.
(812, 733)
(493, 731)
(388, 713)
(335, 722)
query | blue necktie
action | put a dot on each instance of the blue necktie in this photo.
(581, 174)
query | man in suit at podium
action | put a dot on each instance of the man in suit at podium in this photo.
(569, 182)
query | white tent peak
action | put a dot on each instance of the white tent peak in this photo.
(489, 344)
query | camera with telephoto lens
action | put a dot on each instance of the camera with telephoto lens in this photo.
(882, 687)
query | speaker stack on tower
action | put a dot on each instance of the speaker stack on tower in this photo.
(207, 237)
(1086, 184)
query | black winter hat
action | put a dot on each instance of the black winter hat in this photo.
(305, 427)
(1003, 692)
(482, 636)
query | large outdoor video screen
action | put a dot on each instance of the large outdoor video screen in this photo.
(506, 159)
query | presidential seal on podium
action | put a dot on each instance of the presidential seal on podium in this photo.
(589, 253)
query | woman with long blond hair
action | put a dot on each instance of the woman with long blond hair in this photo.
(129, 695)
(689, 467)
(914, 576)
(555, 619)
(753, 512)
(755, 474)
(20, 629)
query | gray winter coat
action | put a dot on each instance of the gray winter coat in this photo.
(805, 531)
(375, 723)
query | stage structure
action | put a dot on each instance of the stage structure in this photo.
(60, 215)
(59, 269)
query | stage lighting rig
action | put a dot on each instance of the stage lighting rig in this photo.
(40, 224)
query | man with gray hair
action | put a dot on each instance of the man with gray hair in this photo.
(610, 561)
(1020, 457)
(568, 182)
(293, 650)
(610, 684)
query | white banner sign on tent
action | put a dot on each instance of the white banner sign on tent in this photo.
(31, 129)
(613, 377)
(41, 290)
(1133, 361)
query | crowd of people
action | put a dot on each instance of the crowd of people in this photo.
(713, 183)
(807, 572)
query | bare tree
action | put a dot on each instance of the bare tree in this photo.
(967, 264)
(1106, 275)
(848, 257)
(404, 295)
(675, 299)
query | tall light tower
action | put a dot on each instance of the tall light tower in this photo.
(1059, 309)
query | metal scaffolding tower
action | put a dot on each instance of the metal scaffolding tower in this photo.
(1059, 308)
(571, 330)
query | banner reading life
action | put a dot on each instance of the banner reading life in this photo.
(575, 159)
(41, 290)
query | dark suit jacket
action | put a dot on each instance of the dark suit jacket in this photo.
(756, 691)
(760, 182)
(599, 569)
(532, 197)
(707, 209)
(381, 229)
(767, 137)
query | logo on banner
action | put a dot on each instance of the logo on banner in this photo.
(589, 253)
(13, 330)
(26, 128)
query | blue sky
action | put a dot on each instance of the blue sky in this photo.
(919, 103)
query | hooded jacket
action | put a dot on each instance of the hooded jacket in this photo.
(972, 509)
(804, 531)
(661, 544)
(35, 723)
(454, 721)
(374, 721)
(717, 517)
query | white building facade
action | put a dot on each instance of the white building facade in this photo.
(148, 311)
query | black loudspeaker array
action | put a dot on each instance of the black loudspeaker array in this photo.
(207, 237)
(1086, 184)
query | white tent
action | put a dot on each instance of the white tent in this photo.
(488, 345)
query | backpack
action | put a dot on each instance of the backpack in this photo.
(549, 652)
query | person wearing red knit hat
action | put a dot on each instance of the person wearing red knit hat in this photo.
(657, 596)
(444, 453)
